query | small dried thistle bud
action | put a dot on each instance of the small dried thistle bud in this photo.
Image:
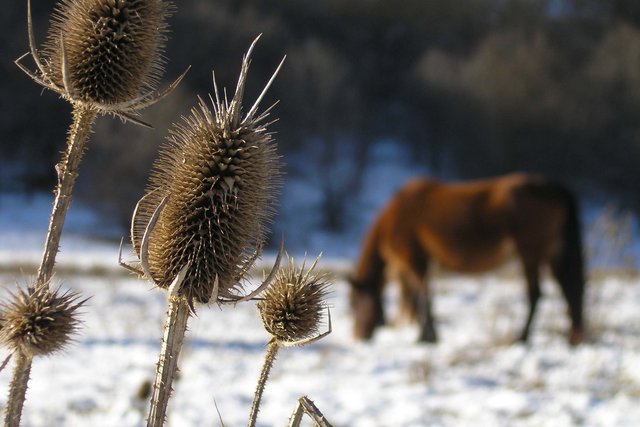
(40, 322)
(215, 180)
(110, 50)
(292, 307)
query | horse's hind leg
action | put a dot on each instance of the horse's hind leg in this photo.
(427, 324)
(532, 275)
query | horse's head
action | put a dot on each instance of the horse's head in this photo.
(366, 304)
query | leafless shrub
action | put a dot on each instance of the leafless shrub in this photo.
(609, 248)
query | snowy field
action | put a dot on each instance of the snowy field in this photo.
(474, 376)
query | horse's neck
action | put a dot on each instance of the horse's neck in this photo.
(370, 267)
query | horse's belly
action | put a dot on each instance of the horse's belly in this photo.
(476, 258)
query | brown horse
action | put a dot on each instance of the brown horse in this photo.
(470, 227)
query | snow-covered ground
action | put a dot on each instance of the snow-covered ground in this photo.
(473, 377)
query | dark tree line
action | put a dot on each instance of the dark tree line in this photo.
(472, 88)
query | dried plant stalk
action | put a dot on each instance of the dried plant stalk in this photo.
(67, 169)
(174, 331)
(306, 406)
(18, 389)
(269, 359)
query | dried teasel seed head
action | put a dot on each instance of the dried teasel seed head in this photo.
(216, 177)
(110, 50)
(39, 322)
(292, 307)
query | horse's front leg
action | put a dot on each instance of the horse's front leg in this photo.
(414, 280)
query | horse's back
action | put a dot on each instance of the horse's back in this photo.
(541, 211)
(473, 225)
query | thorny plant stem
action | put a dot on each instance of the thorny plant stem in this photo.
(269, 358)
(67, 169)
(18, 388)
(306, 406)
(174, 331)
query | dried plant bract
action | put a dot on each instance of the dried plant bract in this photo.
(39, 323)
(293, 306)
(211, 194)
(104, 54)
(200, 225)
(291, 310)
(112, 47)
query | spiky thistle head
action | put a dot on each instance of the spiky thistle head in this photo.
(40, 321)
(215, 182)
(113, 48)
(104, 54)
(292, 307)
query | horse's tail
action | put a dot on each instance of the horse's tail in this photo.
(573, 255)
(568, 267)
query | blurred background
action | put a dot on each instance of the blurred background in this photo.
(373, 92)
